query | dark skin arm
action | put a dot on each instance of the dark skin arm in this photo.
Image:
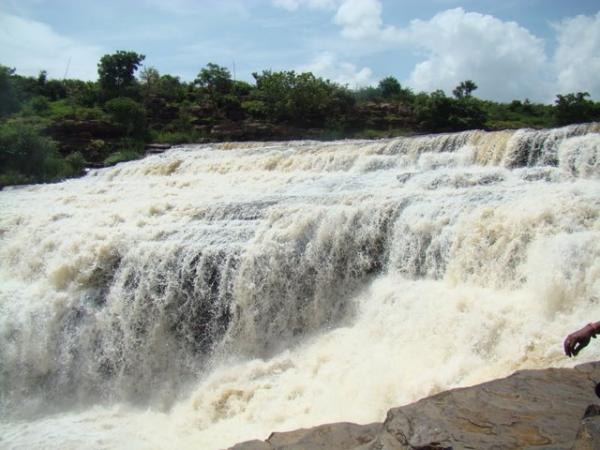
(576, 341)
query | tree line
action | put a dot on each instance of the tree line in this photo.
(51, 129)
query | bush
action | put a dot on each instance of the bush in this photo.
(575, 108)
(9, 101)
(24, 150)
(438, 113)
(121, 156)
(129, 116)
(75, 163)
(39, 105)
(12, 178)
(27, 156)
(178, 137)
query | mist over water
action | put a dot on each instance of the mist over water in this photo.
(216, 293)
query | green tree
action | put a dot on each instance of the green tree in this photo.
(300, 99)
(464, 89)
(215, 80)
(116, 72)
(149, 76)
(367, 94)
(24, 150)
(9, 101)
(574, 108)
(128, 115)
(437, 112)
(389, 88)
(166, 87)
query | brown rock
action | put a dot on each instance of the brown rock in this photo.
(588, 436)
(344, 435)
(531, 409)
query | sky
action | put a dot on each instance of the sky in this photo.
(512, 49)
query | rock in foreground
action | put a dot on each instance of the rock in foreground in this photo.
(539, 409)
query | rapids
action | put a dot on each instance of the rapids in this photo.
(215, 293)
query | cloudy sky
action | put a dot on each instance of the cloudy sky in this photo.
(510, 48)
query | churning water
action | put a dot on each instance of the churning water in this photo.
(215, 293)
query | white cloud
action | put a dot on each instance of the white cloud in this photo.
(359, 18)
(31, 46)
(503, 58)
(577, 58)
(328, 66)
(293, 5)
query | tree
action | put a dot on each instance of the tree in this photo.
(464, 89)
(9, 101)
(389, 88)
(437, 112)
(367, 94)
(149, 76)
(216, 80)
(574, 108)
(128, 115)
(24, 150)
(116, 72)
(300, 99)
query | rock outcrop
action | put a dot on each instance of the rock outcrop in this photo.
(531, 409)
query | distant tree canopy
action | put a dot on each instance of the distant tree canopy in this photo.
(572, 108)
(128, 115)
(299, 99)
(163, 88)
(215, 79)
(437, 112)
(116, 72)
(9, 101)
(25, 151)
(464, 89)
(389, 87)
(112, 119)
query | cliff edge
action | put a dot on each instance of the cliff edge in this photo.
(531, 409)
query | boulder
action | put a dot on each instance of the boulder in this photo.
(531, 409)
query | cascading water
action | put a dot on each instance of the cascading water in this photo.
(215, 293)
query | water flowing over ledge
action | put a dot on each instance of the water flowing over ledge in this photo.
(529, 409)
(262, 286)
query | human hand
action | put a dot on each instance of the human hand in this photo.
(576, 341)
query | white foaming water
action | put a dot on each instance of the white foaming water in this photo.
(213, 294)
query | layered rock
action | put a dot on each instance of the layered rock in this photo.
(541, 409)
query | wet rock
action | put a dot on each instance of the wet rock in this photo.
(539, 409)
(588, 436)
(157, 148)
(335, 436)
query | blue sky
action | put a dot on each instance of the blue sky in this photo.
(511, 49)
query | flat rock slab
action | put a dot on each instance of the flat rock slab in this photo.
(531, 409)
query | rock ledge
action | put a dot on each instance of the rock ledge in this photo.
(531, 409)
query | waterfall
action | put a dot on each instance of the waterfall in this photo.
(261, 286)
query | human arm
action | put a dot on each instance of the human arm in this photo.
(576, 341)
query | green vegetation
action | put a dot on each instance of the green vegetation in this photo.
(53, 129)
(27, 156)
(116, 73)
(121, 156)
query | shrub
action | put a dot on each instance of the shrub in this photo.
(75, 163)
(178, 137)
(24, 150)
(128, 115)
(39, 105)
(121, 156)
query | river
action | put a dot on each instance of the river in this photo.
(215, 293)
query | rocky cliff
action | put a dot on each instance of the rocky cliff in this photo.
(531, 409)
